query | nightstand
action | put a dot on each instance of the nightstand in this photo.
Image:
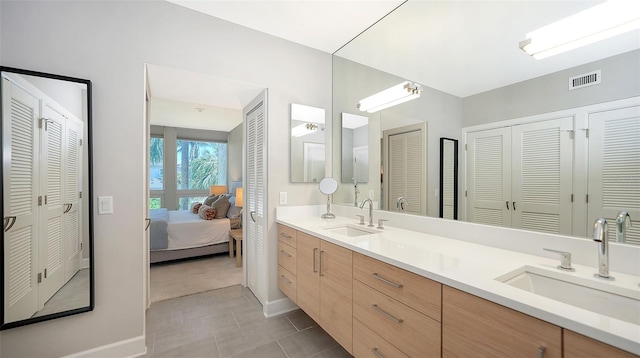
(235, 241)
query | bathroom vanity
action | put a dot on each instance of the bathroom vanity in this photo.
(400, 293)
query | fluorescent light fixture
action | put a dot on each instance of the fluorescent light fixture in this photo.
(390, 97)
(591, 25)
(303, 129)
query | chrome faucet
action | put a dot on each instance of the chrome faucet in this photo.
(356, 191)
(370, 210)
(600, 228)
(401, 203)
(623, 221)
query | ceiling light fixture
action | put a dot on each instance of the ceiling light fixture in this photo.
(591, 25)
(304, 129)
(390, 97)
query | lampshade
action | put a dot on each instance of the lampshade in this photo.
(392, 96)
(239, 197)
(591, 25)
(217, 189)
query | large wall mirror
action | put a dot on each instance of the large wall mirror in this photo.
(47, 188)
(307, 149)
(506, 110)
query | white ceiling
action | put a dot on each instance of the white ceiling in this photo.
(459, 47)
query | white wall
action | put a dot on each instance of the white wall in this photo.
(236, 154)
(109, 43)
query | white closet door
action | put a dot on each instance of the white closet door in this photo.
(72, 238)
(614, 168)
(541, 179)
(405, 172)
(254, 234)
(51, 210)
(20, 113)
(489, 177)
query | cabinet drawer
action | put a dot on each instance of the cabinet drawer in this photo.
(287, 257)
(417, 292)
(287, 235)
(367, 344)
(287, 283)
(412, 332)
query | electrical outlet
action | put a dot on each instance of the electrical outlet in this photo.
(105, 205)
(283, 198)
(371, 194)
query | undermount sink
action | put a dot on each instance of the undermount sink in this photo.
(601, 297)
(351, 230)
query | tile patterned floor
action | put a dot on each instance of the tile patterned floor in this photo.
(228, 322)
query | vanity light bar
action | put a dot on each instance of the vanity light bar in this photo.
(390, 97)
(586, 27)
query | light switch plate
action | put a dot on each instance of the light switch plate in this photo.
(105, 205)
(371, 194)
(283, 198)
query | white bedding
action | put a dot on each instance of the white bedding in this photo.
(187, 230)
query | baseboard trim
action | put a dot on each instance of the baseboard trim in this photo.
(84, 264)
(129, 348)
(279, 306)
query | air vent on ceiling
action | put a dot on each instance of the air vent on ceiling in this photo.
(585, 80)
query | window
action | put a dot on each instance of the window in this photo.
(155, 203)
(156, 163)
(185, 203)
(200, 165)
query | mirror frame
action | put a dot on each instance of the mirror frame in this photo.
(455, 176)
(88, 142)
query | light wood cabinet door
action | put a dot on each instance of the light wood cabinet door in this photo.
(287, 257)
(336, 293)
(579, 346)
(307, 273)
(475, 327)
(367, 344)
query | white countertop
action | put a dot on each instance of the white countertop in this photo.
(473, 268)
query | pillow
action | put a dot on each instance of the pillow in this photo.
(234, 212)
(206, 212)
(208, 201)
(222, 206)
(195, 207)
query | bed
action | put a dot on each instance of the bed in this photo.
(178, 234)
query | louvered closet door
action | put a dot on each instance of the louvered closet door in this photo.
(489, 177)
(72, 233)
(52, 185)
(405, 172)
(254, 235)
(20, 112)
(541, 179)
(614, 168)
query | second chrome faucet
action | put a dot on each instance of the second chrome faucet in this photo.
(370, 210)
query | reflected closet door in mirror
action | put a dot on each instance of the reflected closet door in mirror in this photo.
(46, 184)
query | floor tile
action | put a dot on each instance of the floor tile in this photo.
(306, 343)
(300, 320)
(335, 352)
(269, 350)
(204, 348)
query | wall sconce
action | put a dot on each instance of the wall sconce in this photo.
(304, 129)
(591, 25)
(390, 97)
(217, 189)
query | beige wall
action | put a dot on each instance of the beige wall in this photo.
(109, 43)
(235, 162)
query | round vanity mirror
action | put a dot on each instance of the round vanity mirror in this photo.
(328, 186)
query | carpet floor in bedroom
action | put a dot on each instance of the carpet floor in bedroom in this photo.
(185, 277)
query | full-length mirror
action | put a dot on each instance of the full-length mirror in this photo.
(46, 185)
(307, 144)
(545, 145)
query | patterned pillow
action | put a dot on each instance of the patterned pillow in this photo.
(206, 212)
(196, 207)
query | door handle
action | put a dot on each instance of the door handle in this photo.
(507, 203)
(514, 205)
(252, 217)
(148, 220)
(8, 222)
